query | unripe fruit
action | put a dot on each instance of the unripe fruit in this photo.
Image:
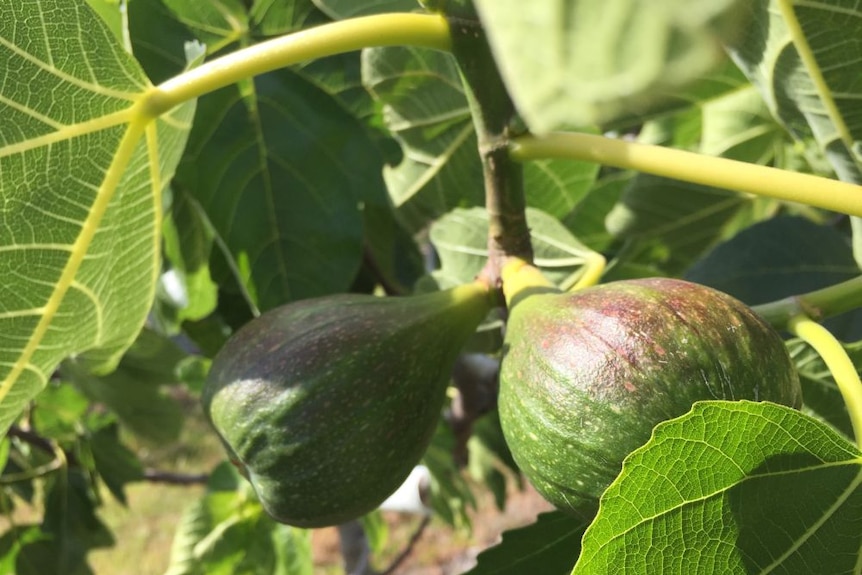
(326, 404)
(587, 375)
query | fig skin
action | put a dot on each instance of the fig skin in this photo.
(587, 375)
(326, 405)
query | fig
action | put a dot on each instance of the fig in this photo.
(586, 376)
(326, 404)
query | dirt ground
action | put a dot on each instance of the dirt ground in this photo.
(440, 550)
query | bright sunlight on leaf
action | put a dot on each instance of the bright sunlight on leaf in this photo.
(806, 59)
(577, 62)
(732, 488)
(83, 170)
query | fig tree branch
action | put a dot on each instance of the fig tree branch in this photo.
(408, 549)
(696, 168)
(493, 113)
(62, 457)
(431, 31)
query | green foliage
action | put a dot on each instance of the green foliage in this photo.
(552, 542)
(82, 178)
(557, 80)
(134, 245)
(729, 500)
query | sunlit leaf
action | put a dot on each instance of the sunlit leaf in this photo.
(677, 219)
(579, 62)
(732, 488)
(83, 171)
(339, 9)
(806, 60)
(460, 238)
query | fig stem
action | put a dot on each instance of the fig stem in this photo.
(696, 168)
(427, 30)
(839, 364)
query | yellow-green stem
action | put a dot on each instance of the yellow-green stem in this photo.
(839, 364)
(428, 30)
(696, 168)
(592, 272)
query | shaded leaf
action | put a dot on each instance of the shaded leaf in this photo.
(158, 39)
(590, 63)
(460, 239)
(83, 172)
(550, 546)
(450, 494)
(490, 461)
(135, 390)
(115, 463)
(718, 491)
(281, 172)
(778, 258)
(72, 529)
(677, 219)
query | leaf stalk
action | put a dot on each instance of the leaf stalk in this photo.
(428, 30)
(839, 364)
(693, 167)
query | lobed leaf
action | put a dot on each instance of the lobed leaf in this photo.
(581, 63)
(83, 172)
(805, 58)
(460, 238)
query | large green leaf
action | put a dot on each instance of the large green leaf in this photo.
(83, 171)
(293, 165)
(281, 171)
(732, 488)
(806, 59)
(580, 62)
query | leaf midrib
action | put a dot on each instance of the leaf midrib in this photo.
(90, 226)
(809, 61)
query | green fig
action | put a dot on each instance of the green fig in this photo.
(326, 404)
(587, 375)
